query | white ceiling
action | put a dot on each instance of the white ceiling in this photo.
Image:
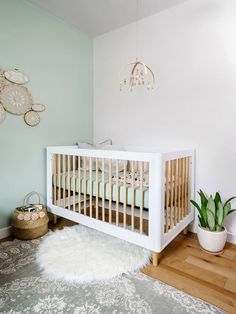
(96, 17)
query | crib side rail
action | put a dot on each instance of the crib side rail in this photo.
(177, 190)
(97, 153)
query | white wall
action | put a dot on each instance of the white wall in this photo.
(192, 50)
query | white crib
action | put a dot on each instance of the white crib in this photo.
(87, 186)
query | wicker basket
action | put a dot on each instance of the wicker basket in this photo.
(27, 225)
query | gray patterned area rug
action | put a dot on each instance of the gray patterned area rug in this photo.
(23, 289)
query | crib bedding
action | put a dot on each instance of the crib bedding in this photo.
(63, 181)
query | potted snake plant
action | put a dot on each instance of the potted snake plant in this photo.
(211, 232)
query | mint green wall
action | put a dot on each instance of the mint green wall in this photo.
(58, 60)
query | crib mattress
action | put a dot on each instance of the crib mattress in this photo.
(68, 180)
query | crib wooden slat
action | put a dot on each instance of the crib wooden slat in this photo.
(175, 192)
(54, 179)
(59, 180)
(167, 196)
(85, 186)
(97, 192)
(179, 189)
(68, 178)
(132, 195)
(188, 186)
(91, 188)
(183, 187)
(79, 183)
(117, 192)
(64, 180)
(74, 181)
(141, 198)
(182, 190)
(110, 191)
(171, 194)
(125, 195)
(103, 190)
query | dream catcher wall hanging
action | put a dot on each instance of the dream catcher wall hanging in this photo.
(16, 99)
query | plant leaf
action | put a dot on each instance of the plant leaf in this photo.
(231, 211)
(210, 220)
(202, 222)
(203, 197)
(217, 198)
(204, 201)
(202, 213)
(211, 205)
(196, 205)
(227, 209)
(229, 200)
(220, 214)
(218, 227)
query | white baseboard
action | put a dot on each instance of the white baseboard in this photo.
(5, 232)
(231, 237)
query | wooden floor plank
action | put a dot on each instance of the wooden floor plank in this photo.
(195, 271)
(230, 285)
(225, 271)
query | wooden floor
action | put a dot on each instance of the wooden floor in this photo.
(185, 266)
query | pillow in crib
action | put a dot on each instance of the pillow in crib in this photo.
(106, 161)
(85, 145)
(103, 144)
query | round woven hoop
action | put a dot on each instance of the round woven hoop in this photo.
(16, 76)
(32, 118)
(16, 99)
(2, 113)
(2, 80)
(38, 107)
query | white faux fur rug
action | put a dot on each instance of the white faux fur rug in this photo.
(81, 254)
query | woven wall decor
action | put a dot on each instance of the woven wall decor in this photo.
(32, 118)
(2, 113)
(16, 76)
(38, 107)
(16, 98)
(2, 80)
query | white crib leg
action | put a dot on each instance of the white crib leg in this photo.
(155, 259)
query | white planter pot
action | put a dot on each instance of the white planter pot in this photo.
(212, 241)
